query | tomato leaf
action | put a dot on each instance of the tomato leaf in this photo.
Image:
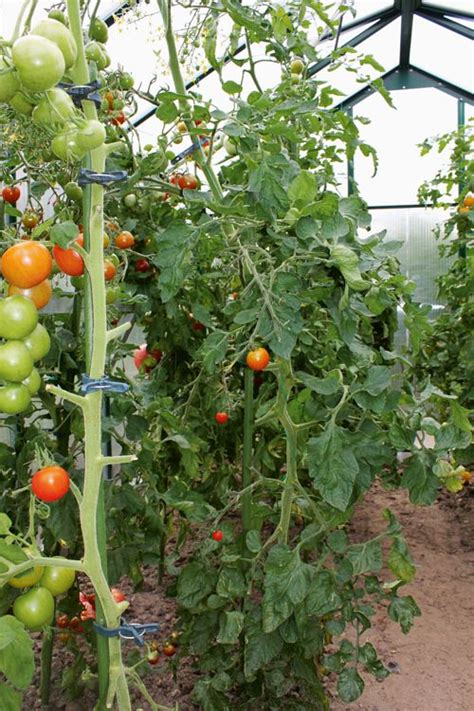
(63, 233)
(333, 466)
(16, 652)
(10, 700)
(350, 685)
(404, 610)
(230, 627)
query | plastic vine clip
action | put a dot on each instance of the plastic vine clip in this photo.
(89, 385)
(128, 630)
(87, 177)
(82, 92)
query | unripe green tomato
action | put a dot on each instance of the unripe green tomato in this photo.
(114, 259)
(98, 30)
(91, 136)
(33, 382)
(126, 81)
(178, 139)
(170, 154)
(65, 146)
(38, 343)
(297, 66)
(96, 53)
(9, 81)
(14, 399)
(30, 577)
(18, 317)
(148, 147)
(57, 580)
(295, 78)
(54, 109)
(230, 146)
(16, 361)
(21, 104)
(112, 294)
(58, 15)
(39, 62)
(61, 36)
(130, 200)
(34, 609)
(73, 191)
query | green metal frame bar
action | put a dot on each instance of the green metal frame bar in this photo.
(446, 22)
(407, 8)
(442, 11)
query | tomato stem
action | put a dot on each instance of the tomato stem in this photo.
(246, 502)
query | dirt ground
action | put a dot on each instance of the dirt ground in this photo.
(433, 666)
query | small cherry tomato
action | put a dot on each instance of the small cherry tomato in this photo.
(221, 418)
(142, 265)
(118, 595)
(198, 326)
(153, 657)
(145, 360)
(68, 260)
(188, 182)
(466, 476)
(62, 621)
(217, 535)
(30, 220)
(119, 119)
(258, 359)
(50, 483)
(11, 194)
(124, 240)
(64, 637)
(110, 270)
(169, 650)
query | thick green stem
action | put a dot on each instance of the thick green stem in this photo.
(184, 102)
(112, 680)
(247, 451)
(291, 478)
(46, 665)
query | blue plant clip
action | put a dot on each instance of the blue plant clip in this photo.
(79, 93)
(89, 385)
(87, 177)
(128, 630)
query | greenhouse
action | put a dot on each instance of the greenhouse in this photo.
(236, 355)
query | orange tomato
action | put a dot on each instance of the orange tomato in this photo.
(125, 240)
(110, 270)
(40, 294)
(469, 201)
(258, 359)
(26, 264)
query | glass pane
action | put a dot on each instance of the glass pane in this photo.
(395, 134)
(383, 45)
(366, 8)
(453, 5)
(443, 53)
(9, 11)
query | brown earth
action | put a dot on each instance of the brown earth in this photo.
(433, 666)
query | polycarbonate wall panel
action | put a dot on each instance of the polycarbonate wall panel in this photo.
(395, 134)
(366, 8)
(443, 53)
(419, 256)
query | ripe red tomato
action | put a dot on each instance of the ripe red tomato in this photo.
(146, 360)
(174, 179)
(62, 621)
(188, 181)
(169, 650)
(26, 264)
(30, 220)
(198, 326)
(118, 595)
(142, 265)
(221, 418)
(11, 194)
(110, 270)
(68, 260)
(40, 294)
(125, 240)
(119, 119)
(50, 483)
(258, 359)
(217, 535)
(153, 657)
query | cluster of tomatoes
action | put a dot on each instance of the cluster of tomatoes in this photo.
(26, 267)
(35, 608)
(168, 648)
(467, 205)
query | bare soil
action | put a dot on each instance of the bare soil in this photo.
(432, 666)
